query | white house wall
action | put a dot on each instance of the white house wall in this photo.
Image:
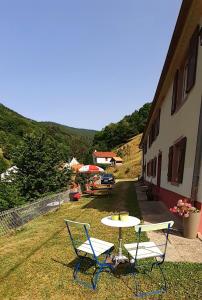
(102, 160)
(172, 127)
(200, 186)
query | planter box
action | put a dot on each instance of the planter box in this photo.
(190, 225)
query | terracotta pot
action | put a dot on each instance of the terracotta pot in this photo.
(190, 225)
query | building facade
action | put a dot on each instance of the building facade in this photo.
(172, 139)
(103, 157)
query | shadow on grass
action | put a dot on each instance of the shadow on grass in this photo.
(123, 197)
(34, 250)
(86, 265)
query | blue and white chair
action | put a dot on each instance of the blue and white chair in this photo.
(90, 246)
(147, 250)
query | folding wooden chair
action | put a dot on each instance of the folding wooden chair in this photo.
(91, 246)
(144, 250)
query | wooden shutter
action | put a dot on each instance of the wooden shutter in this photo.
(175, 88)
(145, 145)
(158, 123)
(170, 163)
(192, 60)
(182, 151)
(180, 86)
(152, 167)
(155, 162)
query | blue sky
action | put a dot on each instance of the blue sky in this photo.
(83, 63)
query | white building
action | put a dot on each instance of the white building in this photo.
(172, 139)
(103, 157)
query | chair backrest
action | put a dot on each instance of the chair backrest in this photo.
(154, 227)
(76, 231)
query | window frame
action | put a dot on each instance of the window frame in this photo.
(176, 161)
(185, 75)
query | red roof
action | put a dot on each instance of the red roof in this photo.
(103, 154)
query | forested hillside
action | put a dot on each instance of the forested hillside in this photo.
(13, 127)
(116, 134)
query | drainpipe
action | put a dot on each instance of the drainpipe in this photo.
(197, 162)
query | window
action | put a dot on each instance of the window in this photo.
(158, 123)
(144, 169)
(148, 169)
(145, 147)
(154, 167)
(170, 163)
(192, 60)
(154, 131)
(185, 76)
(176, 159)
(151, 167)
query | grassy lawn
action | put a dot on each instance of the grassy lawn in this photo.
(36, 263)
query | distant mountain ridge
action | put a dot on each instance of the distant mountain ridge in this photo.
(13, 126)
(72, 130)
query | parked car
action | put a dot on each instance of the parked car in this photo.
(107, 179)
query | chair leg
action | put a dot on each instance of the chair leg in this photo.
(155, 292)
(95, 277)
(76, 269)
(164, 278)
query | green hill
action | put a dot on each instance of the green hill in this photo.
(116, 134)
(132, 157)
(13, 126)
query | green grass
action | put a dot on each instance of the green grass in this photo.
(36, 262)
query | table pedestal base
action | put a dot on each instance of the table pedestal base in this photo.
(117, 259)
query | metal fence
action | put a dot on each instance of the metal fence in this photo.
(13, 218)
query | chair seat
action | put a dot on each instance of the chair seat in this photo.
(99, 246)
(145, 250)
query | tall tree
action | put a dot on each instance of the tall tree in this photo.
(38, 160)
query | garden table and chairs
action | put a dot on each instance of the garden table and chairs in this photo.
(101, 256)
(129, 222)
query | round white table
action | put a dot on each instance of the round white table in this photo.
(132, 221)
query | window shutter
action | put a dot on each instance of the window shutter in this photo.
(182, 146)
(155, 161)
(174, 97)
(170, 163)
(200, 34)
(180, 86)
(192, 60)
(152, 167)
(158, 123)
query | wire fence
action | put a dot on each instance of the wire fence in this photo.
(16, 217)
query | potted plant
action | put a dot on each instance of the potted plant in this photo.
(191, 217)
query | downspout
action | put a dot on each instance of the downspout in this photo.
(197, 162)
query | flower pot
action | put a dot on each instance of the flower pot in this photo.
(124, 216)
(115, 217)
(190, 225)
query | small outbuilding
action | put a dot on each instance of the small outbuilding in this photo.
(103, 157)
(116, 161)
